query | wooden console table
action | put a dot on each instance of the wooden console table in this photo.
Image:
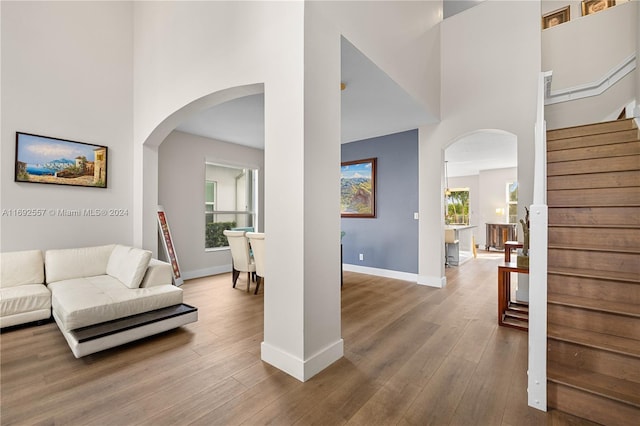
(508, 246)
(511, 314)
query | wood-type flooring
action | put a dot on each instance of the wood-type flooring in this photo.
(414, 355)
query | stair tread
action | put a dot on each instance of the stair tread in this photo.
(595, 140)
(591, 129)
(604, 275)
(572, 225)
(606, 342)
(593, 248)
(517, 306)
(510, 313)
(594, 304)
(515, 323)
(607, 386)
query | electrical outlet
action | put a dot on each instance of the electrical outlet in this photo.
(361, 256)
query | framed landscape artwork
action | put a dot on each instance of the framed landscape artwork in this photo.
(358, 188)
(43, 159)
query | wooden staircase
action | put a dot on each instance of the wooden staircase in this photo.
(593, 193)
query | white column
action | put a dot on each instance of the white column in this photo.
(431, 207)
(302, 333)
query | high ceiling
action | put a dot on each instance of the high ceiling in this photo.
(372, 105)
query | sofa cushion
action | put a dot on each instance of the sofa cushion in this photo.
(158, 273)
(21, 267)
(81, 302)
(128, 265)
(65, 264)
(24, 298)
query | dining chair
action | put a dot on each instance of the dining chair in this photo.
(256, 239)
(241, 258)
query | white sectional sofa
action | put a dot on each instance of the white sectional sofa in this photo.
(24, 297)
(108, 295)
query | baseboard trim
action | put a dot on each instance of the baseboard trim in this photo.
(199, 273)
(437, 282)
(387, 273)
(298, 368)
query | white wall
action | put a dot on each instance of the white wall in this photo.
(190, 55)
(492, 184)
(490, 67)
(400, 37)
(486, 193)
(575, 7)
(181, 166)
(67, 73)
(579, 68)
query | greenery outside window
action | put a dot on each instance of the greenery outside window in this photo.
(230, 200)
(457, 206)
(512, 201)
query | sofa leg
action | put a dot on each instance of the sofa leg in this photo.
(234, 277)
(248, 281)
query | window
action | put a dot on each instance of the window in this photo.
(512, 201)
(230, 200)
(457, 205)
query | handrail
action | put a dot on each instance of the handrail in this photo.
(538, 223)
(593, 88)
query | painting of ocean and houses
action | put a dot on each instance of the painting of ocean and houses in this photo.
(42, 159)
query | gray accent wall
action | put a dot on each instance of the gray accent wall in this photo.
(389, 241)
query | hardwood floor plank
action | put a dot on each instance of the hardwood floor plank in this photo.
(413, 355)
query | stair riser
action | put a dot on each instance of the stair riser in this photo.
(596, 237)
(594, 197)
(591, 407)
(594, 261)
(572, 355)
(600, 322)
(598, 165)
(593, 140)
(601, 216)
(594, 180)
(612, 291)
(591, 152)
(591, 129)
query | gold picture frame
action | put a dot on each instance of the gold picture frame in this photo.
(594, 6)
(557, 17)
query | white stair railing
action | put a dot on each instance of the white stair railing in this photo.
(538, 222)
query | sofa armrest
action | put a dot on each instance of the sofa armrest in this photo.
(158, 273)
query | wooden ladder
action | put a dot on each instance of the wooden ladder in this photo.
(593, 193)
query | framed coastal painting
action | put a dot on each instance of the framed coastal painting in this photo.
(557, 17)
(44, 159)
(358, 188)
(594, 6)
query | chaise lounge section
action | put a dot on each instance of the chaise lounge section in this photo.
(105, 296)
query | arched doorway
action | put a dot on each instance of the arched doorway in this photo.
(483, 165)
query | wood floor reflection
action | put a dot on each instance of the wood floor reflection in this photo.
(414, 355)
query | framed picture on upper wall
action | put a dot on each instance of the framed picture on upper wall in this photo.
(556, 17)
(43, 159)
(594, 6)
(358, 188)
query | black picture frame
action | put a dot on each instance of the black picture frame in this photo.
(50, 160)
